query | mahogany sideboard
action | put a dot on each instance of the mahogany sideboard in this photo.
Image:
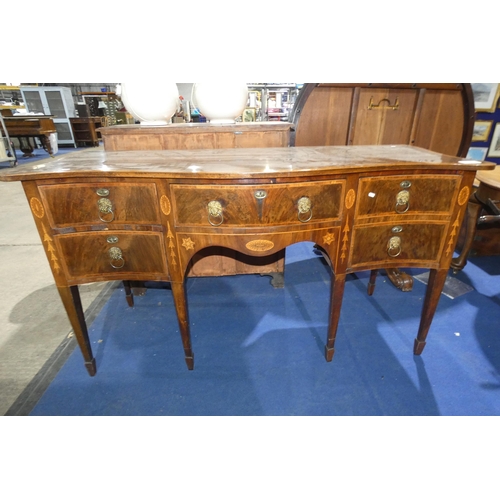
(143, 215)
(214, 261)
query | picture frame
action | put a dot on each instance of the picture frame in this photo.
(494, 150)
(485, 96)
(477, 154)
(249, 115)
(482, 129)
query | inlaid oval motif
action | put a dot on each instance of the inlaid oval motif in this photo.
(260, 245)
(463, 196)
(37, 207)
(165, 205)
(350, 198)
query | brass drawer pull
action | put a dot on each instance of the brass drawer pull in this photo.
(394, 246)
(115, 254)
(215, 212)
(402, 202)
(304, 207)
(105, 207)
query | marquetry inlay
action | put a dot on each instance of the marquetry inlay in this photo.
(350, 198)
(345, 241)
(463, 196)
(165, 205)
(37, 207)
(451, 242)
(188, 243)
(329, 238)
(171, 246)
(51, 251)
(260, 245)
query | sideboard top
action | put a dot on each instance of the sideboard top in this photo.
(234, 163)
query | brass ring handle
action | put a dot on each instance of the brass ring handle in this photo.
(394, 246)
(215, 211)
(105, 207)
(402, 202)
(115, 254)
(304, 206)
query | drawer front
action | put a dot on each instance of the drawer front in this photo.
(97, 203)
(109, 255)
(398, 194)
(392, 244)
(265, 204)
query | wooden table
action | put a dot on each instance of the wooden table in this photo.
(26, 126)
(480, 211)
(143, 215)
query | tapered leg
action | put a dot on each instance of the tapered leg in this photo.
(336, 296)
(72, 303)
(437, 278)
(371, 283)
(179, 294)
(128, 293)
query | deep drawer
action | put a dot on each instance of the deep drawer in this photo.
(258, 204)
(107, 255)
(392, 244)
(398, 194)
(95, 203)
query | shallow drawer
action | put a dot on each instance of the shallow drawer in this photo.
(398, 194)
(95, 203)
(266, 204)
(107, 254)
(396, 244)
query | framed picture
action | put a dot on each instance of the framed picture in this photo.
(495, 142)
(248, 115)
(482, 130)
(477, 154)
(485, 96)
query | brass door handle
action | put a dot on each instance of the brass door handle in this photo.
(394, 246)
(105, 207)
(402, 202)
(116, 256)
(215, 216)
(304, 207)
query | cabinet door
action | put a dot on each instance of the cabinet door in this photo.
(34, 103)
(56, 104)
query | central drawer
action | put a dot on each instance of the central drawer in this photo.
(262, 204)
(100, 202)
(102, 255)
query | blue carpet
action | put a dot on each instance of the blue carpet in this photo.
(259, 350)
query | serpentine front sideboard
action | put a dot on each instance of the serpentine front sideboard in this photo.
(143, 215)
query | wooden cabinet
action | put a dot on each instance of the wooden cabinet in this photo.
(86, 130)
(57, 102)
(147, 215)
(188, 136)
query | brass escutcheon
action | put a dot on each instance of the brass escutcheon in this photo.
(260, 194)
(394, 246)
(304, 206)
(405, 184)
(215, 210)
(115, 254)
(402, 202)
(102, 192)
(112, 239)
(397, 229)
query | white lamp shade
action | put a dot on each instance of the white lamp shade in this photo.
(220, 102)
(151, 103)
